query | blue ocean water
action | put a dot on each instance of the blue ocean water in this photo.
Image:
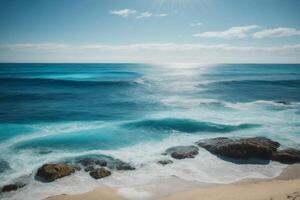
(54, 112)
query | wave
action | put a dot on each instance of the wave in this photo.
(22, 133)
(61, 82)
(287, 83)
(263, 104)
(253, 90)
(186, 125)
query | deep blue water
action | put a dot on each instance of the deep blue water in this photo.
(50, 112)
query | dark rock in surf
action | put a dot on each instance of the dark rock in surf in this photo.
(4, 166)
(92, 161)
(246, 148)
(12, 187)
(283, 102)
(89, 168)
(90, 164)
(287, 156)
(51, 172)
(165, 162)
(182, 152)
(100, 173)
(102, 163)
(124, 166)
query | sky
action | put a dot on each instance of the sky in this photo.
(201, 31)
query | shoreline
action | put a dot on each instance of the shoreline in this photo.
(284, 186)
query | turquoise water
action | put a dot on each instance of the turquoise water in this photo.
(55, 112)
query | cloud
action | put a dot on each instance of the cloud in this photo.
(187, 47)
(148, 52)
(234, 32)
(149, 14)
(161, 15)
(145, 47)
(277, 32)
(35, 46)
(144, 15)
(124, 12)
(196, 24)
(140, 15)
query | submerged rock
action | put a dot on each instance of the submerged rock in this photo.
(95, 161)
(12, 187)
(124, 166)
(287, 156)
(51, 172)
(4, 166)
(100, 173)
(90, 164)
(89, 168)
(165, 162)
(182, 152)
(256, 147)
(283, 102)
(92, 161)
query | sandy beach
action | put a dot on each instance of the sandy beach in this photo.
(285, 186)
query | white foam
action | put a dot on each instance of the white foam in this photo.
(137, 184)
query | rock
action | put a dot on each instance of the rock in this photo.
(92, 161)
(101, 163)
(51, 172)
(182, 152)
(12, 187)
(3, 166)
(99, 173)
(283, 102)
(124, 166)
(89, 168)
(287, 156)
(257, 147)
(77, 167)
(165, 162)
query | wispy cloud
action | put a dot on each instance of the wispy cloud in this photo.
(234, 32)
(35, 46)
(145, 47)
(124, 12)
(161, 15)
(144, 15)
(149, 14)
(148, 52)
(139, 15)
(196, 24)
(277, 32)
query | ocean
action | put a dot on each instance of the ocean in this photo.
(133, 112)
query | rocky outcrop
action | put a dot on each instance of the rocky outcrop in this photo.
(182, 152)
(287, 156)
(250, 148)
(165, 162)
(12, 187)
(100, 173)
(51, 172)
(257, 147)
